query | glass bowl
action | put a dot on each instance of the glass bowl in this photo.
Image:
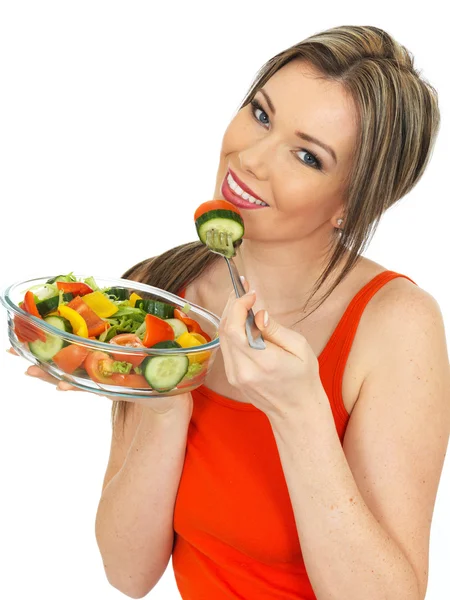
(170, 364)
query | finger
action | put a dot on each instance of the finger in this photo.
(283, 337)
(245, 283)
(66, 387)
(34, 371)
(237, 312)
(12, 351)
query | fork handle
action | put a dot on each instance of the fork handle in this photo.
(254, 336)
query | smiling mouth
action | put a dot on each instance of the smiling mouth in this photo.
(242, 191)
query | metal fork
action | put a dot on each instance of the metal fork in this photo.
(221, 243)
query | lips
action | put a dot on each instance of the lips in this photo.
(235, 199)
(242, 185)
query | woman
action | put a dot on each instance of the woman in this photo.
(309, 469)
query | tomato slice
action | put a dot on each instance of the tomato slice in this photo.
(94, 323)
(215, 205)
(157, 330)
(99, 367)
(24, 330)
(75, 288)
(70, 358)
(131, 341)
(132, 380)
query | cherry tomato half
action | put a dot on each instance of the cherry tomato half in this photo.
(215, 205)
(70, 358)
(131, 341)
(99, 367)
(132, 380)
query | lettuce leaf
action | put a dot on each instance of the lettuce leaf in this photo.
(90, 281)
(126, 320)
(121, 366)
(70, 278)
(193, 370)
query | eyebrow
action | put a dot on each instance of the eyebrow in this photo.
(301, 134)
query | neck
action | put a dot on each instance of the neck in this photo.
(283, 274)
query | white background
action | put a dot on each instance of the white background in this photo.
(111, 119)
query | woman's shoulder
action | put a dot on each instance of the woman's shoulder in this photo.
(399, 315)
(400, 296)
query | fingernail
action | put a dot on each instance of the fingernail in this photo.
(250, 292)
(242, 278)
(266, 318)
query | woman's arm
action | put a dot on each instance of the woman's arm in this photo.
(134, 525)
(363, 512)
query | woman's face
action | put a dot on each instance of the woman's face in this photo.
(303, 184)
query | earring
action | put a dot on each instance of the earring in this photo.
(340, 221)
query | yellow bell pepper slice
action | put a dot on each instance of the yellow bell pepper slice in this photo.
(133, 299)
(188, 340)
(79, 325)
(100, 304)
(199, 337)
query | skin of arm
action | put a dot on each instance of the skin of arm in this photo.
(363, 510)
(134, 523)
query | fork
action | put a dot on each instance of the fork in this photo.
(221, 243)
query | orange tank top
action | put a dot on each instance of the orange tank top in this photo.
(235, 532)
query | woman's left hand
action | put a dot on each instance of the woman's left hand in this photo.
(280, 380)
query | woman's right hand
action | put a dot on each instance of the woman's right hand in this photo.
(158, 405)
(34, 371)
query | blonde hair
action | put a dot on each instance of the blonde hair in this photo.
(398, 120)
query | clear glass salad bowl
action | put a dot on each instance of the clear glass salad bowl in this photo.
(132, 373)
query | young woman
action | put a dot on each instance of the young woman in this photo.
(309, 469)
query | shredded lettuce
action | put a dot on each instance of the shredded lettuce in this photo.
(138, 370)
(140, 331)
(70, 278)
(90, 281)
(193, 370)
(127, 321)
(121, 366)
(128, 311)
(186, 308)
(43, 292)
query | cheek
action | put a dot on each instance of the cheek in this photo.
(306, 194)
(237, 135)
(297, 187)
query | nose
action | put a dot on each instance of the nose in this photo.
(257, 158)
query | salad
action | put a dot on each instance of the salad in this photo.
(112, 315)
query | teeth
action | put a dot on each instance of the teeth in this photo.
(240, 192)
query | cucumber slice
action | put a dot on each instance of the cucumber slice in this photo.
(156, 308)
(118, 293)
(51, 304)
(167, 344)
(222, 220)
(178, 326)
(163, 373)
(59, 323)
(53, 343)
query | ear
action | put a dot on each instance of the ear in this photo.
(338, 217)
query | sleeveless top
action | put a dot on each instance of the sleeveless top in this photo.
(235, 532)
